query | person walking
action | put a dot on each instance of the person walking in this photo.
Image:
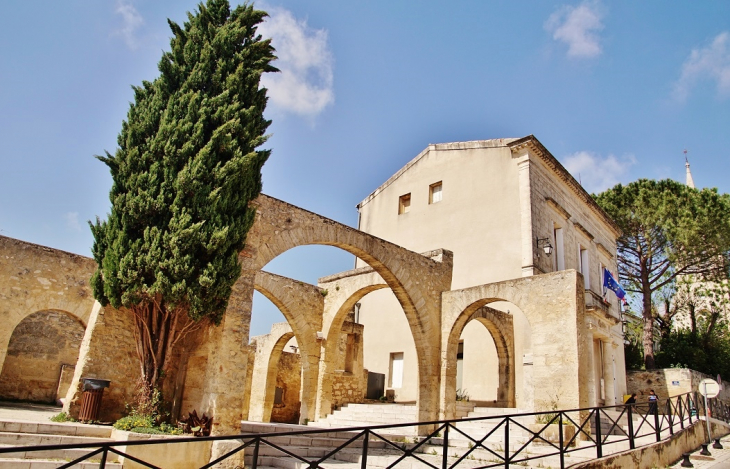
(653, 399)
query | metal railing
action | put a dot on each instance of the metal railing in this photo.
(504, 441)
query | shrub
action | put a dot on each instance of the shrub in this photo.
(62, 417)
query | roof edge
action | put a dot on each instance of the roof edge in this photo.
(539, 149)
(468, 145)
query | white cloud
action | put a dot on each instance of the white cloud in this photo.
(711, 62)
(305, 84)
(131, 21)
(578, 28)
(72, 221)
(596, 173)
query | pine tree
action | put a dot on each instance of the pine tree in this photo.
(185, 171)
(669, 231)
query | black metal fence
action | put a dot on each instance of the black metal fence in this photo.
(585, 433)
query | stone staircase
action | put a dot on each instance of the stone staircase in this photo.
(28, 433)
(361, 415)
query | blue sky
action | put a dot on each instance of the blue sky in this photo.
(616, 91)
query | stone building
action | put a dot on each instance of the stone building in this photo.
(453, 288)
(496, 204)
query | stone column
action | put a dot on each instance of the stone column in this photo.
(591, 384)
(608, 373)
(228, 361)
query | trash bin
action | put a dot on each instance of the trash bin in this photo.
(93, 390)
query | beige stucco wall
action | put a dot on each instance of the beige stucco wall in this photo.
(477, 219)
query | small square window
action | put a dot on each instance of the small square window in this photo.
(434, 193)
(404, 204)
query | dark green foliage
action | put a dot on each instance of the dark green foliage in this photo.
(707, 354)
(669, 230)
(187, 168)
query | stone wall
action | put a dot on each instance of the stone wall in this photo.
(348, 388)
(669, 382)
(660, 454)
(39, 348)
(288, 379)
(35, 278)
(107, 352)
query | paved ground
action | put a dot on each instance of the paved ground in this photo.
(27, 411)
(719, 459)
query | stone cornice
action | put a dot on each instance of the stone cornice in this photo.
(604, 250)
(533, 144)
(583, 230)
(551, 202)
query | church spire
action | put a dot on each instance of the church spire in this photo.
(689, 181)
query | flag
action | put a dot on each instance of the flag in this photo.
(610, 283)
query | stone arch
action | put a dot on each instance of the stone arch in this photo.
(302, 305)
(37, 278)
(500, 327)
(416, 280)
(554, 306)
(268, 352)
(41, 355)
(343, 292)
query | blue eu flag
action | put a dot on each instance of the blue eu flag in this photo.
(610, 283)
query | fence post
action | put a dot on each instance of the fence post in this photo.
(366, 439)
(562, 444)
(632, 444)
(681, 413)
(506, 443)
(599, 447)
(657, 430)
(445, 460)
(102, 463)
(669, 416)
(256, 454)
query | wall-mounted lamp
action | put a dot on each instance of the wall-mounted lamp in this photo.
(546, 246)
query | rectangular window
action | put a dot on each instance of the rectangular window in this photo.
(559, 252)
(584, 266)
(404, 204)
(278, 395)
(396, 370)
(434, 193)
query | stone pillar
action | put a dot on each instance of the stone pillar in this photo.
(608, 373)
(228, 363)
(592, 386)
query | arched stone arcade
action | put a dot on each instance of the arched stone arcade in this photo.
(416, 280)
(500, 327)
(554, 305)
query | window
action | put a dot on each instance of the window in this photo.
(584, 266)
(559, 252)
(278, 396)
(396, 370)
(434, 193)
(460, 365)
(404, 204)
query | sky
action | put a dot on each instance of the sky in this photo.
(615, 90)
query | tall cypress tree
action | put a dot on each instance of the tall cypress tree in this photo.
(185, 171)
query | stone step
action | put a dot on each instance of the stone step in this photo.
(37, 439)
(56, 428)
(51, 464)
(62, 454)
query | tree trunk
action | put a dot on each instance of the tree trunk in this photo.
(648, 315)
(157, 330)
